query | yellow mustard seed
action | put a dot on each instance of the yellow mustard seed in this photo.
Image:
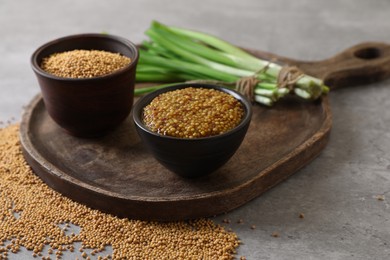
(193, 113)
(43, 211)
(84, 63)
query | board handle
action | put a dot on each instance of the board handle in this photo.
(363, 63)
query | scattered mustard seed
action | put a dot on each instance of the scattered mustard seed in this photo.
(226, 221)
(84, 63)
(43, 211)
(380, 197)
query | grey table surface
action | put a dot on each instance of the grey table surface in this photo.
(337, 192)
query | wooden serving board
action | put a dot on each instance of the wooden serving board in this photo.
(117, 175)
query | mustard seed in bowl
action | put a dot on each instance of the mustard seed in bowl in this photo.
(84, 63)
(193, 113)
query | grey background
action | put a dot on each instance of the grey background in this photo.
(337, 191)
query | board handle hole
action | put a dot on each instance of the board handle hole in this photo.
(368, 53)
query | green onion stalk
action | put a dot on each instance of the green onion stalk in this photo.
(173, 55)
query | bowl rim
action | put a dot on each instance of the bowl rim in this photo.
(146, 99)
(37, 68)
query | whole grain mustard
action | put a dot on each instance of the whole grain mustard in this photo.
(193, 113)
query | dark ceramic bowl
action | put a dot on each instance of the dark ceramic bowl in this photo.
(92, 106)
(192, 157)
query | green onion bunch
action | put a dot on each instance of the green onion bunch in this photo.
(175, 55)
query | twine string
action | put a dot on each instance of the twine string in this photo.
(288, 77)
(246, 86)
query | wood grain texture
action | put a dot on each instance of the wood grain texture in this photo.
(117, 175)
(360, 64)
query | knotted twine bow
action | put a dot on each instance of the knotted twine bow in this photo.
(288, 77)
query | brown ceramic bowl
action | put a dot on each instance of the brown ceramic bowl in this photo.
(92, 106)
(194, 157)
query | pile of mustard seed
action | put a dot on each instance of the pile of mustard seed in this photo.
(193, 113)
(32, 216)
(84, 63)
